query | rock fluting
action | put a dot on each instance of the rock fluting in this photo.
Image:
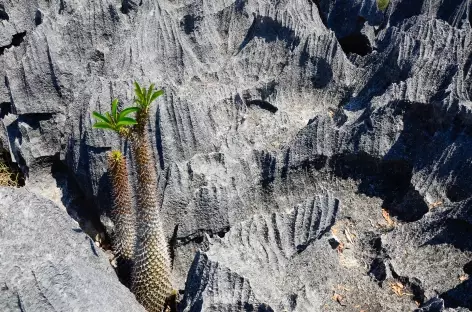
(268, 105)
(260, 252)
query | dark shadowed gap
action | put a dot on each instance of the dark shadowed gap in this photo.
(34, 119)
(3, 14)
(263, 105)
(54, 79)
(459, 296)
(75, 201)
(468, 268)
(468, 62)
(263, 307)
(470, 14)
(413, 284)
(267, 163)
(5, 109)
(189, 23)
(456, 193)
(159, 146)
(453, 11)
(173, 245)
(405, 9)
(113, 13)
(378, 269)
(356, 43)
(270, 30)
(16, 40)
(239, 5)
(129, 5)
(62, 6)
(455, 232)
(38, 18)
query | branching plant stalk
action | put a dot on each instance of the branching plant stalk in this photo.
(151, 274)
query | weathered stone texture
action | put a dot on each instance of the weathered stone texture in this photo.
(268, 105)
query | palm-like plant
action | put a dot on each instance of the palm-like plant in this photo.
(152, 271)
(151, 277)
(123, 215)
(116, 120)
(143, 100)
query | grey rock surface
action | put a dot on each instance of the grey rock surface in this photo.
(269, 104)
(49, 264)
(262, 249)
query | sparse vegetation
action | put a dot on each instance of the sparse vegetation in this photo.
(382, 4)
(9, 175)
(7, 178)
(116, 121)
(151, 277)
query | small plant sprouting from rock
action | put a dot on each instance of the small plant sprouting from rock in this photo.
(151, 277)
(382, 4)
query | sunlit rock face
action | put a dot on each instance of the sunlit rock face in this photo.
(285, 129)
(50, 264)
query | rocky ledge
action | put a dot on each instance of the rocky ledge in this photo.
(49, 264)
(314, 155)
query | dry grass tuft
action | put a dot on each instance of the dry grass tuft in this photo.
(9, 175)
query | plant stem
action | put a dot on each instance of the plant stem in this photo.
(151, 274)
(122, 213)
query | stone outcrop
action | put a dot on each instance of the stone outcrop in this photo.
(49, 264)
(269, 105)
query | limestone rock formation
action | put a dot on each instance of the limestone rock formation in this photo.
(269, 105)
(49, 264)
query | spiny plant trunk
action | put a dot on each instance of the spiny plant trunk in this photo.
(151, 273)
(122, 214)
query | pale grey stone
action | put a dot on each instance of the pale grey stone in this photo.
(49, 264)
(268, 104)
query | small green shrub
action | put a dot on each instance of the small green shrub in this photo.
(382, 4)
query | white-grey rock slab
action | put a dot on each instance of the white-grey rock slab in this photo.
(48, 264)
